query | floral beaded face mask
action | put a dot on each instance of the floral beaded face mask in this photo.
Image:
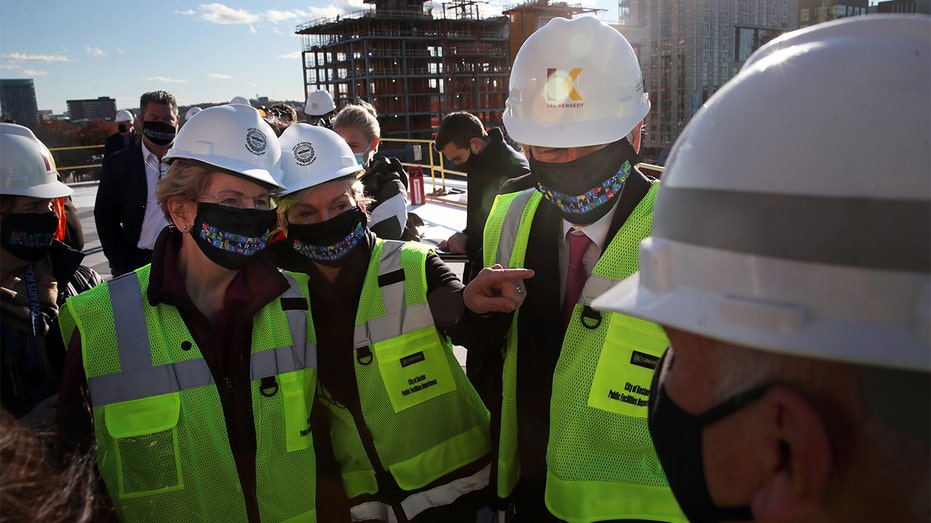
(584, 189)
(327, 242)
(229, 236)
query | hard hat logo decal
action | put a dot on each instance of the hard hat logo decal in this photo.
(304, 153)
(560, 86)
(256, 141)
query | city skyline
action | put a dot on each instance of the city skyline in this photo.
(200, 52)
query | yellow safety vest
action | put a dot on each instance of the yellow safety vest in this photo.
(162, 444)
(601, 464)
(425, 418)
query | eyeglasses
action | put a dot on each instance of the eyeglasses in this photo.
(238, 200)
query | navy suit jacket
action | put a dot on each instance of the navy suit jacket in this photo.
(120, 209)
(114, 144)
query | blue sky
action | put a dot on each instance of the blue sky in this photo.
(201, 52)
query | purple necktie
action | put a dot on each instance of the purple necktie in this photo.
(575, 274)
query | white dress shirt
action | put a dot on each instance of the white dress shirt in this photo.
(154, 219)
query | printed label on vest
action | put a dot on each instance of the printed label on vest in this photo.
(625, 367)
(414, 368)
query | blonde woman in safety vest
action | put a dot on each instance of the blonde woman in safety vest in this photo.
(409, 432)
(199, 369)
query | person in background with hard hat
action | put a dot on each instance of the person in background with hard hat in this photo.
(37, 274)
(573, 442)
(240, 100)
(320, 108)
(797, 386)
(409, 431)
(191, 113)
(127, 216)
(196, 375)
(124, 135)
(384, 180)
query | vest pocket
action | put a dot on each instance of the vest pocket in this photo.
(631, 350)
(145, 444)
(414, 368)
(297, 428)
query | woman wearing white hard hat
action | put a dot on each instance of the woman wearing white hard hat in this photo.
(410, 433)
(199, 374)
(37, 274)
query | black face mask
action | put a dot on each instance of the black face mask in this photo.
(584, 189)
(677, 438)
(328, 242)
(159, 133)
(231, 237)
(28, 236)
(122, 128)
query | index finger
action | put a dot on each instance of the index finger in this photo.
(503, 275)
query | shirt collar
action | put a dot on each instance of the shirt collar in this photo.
(597, 232)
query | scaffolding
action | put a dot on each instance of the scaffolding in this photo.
(414, 68)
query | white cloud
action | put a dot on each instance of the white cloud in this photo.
(120, 51)
(220, 76)
(32, 72)
(289, 56)
(166, 80)
(221, 14)
(186, 12)
(22, 57)
(9, 66)
(94, 51)
(275, 16)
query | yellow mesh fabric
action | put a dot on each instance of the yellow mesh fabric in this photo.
(186, 472)
(508, 464)
(598, 444)
(408, 434)
(595, 446)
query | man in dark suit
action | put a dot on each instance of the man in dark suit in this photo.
(123, 137)
(127, 216)
(573, 443)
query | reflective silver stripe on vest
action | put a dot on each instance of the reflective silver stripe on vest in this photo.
(138, 378)
(596, 286)
(301, 355)
(446, 494)
(398, 318)
(511, 226)
(373, 511)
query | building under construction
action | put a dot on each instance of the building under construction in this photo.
(415, 65)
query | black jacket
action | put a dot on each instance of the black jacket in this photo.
(120, 209)
(486, 172)
(115, 144)
(21, 385)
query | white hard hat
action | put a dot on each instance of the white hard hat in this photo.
(319, 103)
(26, 165)
(575, 83)
(795, 212)
(232, 138)
(191, 112)
(241, 100)
(311, 155)
(123, 116)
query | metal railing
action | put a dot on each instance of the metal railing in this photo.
(66, 171)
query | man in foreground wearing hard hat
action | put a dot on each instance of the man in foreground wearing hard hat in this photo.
(123, 137)
(796, 296)
(573, 442)
(320, 108)
(126, 212)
